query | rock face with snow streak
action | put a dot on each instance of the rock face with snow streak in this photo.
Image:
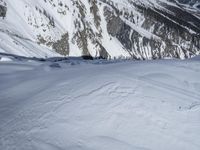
(139, 29)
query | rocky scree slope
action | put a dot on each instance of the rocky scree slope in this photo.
(138, 29)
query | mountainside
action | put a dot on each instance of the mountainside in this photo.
(191, 3)
(139, 29)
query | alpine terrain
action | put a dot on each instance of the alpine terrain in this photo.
(138, 29)
(76, 104)
(70, 78)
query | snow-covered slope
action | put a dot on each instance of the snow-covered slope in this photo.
(140, 29)
(99, 105)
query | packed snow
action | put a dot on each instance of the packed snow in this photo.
(76, 104)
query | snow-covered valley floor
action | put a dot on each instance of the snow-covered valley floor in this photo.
(131, 105)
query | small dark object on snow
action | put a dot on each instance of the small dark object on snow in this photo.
(55, 65)
(3, 11)
(87, 57)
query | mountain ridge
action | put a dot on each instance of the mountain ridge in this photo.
(108, 29)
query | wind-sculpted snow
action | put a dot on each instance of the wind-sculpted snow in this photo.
(99, 105)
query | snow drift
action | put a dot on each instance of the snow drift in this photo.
(99, 105)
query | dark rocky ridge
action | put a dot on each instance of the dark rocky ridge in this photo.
(3, 11)
(171, 28)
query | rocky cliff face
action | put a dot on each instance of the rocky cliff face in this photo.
(3, 9)
(138, 29)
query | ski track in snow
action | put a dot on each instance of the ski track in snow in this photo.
(150, 105)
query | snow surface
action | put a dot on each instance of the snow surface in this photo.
(99, 105)
(5, 59)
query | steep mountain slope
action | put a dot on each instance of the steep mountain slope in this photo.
(139, 29)
(191, 3)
